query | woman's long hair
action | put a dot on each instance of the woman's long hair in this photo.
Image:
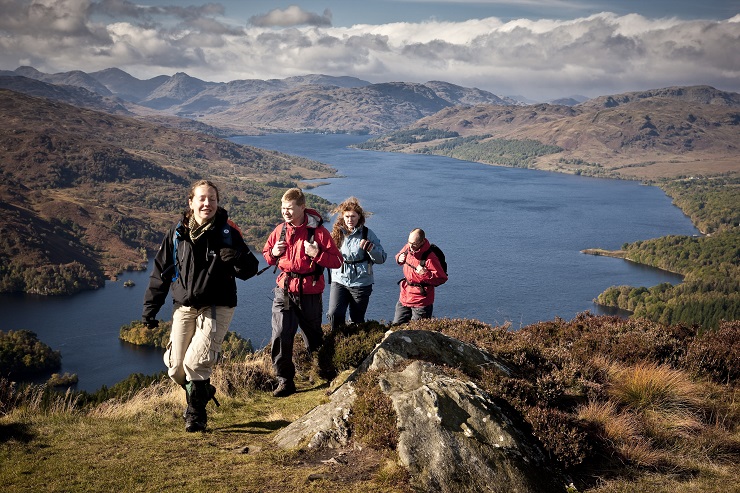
(351, 204)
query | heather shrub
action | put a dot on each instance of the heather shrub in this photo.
(716, 353)
(373, 419)
(629, 341)
(473, 332)
(347, 348)
(560, 434)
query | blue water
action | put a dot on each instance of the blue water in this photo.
(512, 238)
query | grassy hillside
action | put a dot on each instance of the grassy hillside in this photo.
(670, 133)
(619, 405)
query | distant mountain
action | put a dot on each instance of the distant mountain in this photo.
(321, 80)
(374, 108)
(128, 87)
(691, 94)
(83, 98)
(70, 94)
(458, 95)
(75, 78)
(174, 91)
(570, 100)
(679, 131)
(85, 193)
(243, 106)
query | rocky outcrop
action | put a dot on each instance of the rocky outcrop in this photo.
(453, 436)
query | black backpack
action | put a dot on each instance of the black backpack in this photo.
(439, 253)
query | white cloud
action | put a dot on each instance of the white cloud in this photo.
(292, 16)
(599, 54)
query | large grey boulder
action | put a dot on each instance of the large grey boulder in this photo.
(453, 436)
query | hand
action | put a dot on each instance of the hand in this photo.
(402, 258)
(151, 323)
(229, 255)
(420, 269)
(366, 245)
(312, 249)
(279, 248)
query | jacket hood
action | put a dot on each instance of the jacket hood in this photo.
(424, 247)
(313, 218)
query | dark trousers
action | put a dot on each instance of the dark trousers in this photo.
(342, 297)
(289, 313)
(405, 313)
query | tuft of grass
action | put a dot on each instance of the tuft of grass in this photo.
(243, 377)
(614, 425)
(161, 397)
(654, 387)
(32, 399)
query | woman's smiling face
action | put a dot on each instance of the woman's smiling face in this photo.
(204, 203)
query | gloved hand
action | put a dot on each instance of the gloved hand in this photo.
(151, 323)
(229, 255)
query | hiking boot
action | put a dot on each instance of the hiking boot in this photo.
(284, 389)
(198, 393)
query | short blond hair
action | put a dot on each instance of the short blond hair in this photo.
(294, 194)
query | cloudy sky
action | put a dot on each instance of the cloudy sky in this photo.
(540, 49)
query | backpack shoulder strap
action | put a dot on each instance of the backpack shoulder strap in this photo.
(175, 242)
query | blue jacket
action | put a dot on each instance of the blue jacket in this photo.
(358, 274)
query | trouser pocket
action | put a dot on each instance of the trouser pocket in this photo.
(168, 356)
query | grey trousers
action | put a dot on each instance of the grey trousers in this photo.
(342, 297)
(289, 313)
(405, 313)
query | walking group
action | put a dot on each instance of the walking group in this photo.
(202, 255)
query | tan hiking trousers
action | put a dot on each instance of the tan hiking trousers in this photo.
(195, 341)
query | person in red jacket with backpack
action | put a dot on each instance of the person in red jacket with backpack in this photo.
(301, 247)
(422, 271)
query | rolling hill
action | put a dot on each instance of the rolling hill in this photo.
(86, 194)
(666, 133)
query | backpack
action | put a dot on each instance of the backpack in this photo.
(439, 253)
(423, 258)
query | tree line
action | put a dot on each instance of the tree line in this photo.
(710, 291)
(22, 355)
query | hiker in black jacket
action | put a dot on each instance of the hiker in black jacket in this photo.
(198, 262)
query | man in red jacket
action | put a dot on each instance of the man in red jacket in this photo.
(422, 271)
(301, 247)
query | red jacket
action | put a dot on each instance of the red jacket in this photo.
(420, 295)
(295, 259)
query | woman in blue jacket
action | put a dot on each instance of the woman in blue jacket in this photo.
(352, 283)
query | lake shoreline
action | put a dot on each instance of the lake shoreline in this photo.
(600, 252)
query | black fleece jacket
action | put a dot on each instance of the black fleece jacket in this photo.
(200, 276)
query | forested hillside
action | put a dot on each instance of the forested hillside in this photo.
(86, 195)
(710, 291)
